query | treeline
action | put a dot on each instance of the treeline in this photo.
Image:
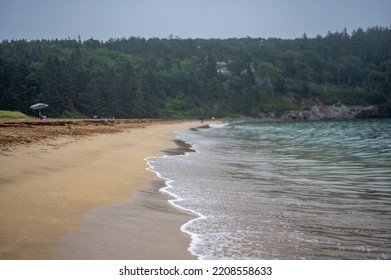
(139, 78)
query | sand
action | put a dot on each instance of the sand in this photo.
(87, 196)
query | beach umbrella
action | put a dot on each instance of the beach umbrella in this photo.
(39, 106)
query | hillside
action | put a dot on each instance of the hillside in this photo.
(166, 78)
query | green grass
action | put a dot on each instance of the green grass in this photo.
(71, 115)
(269, 104)
(12, 115)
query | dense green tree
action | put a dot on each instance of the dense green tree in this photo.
(134, 77)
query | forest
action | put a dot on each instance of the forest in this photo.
(186, 78)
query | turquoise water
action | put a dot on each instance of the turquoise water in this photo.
(285, 190)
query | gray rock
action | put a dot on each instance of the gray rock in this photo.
(334, 112)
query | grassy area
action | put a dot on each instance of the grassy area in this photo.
(12, 115)
(270, 104)
(71, 115)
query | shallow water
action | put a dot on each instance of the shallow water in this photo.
(285, 190)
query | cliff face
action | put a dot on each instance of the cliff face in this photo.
(332, 112)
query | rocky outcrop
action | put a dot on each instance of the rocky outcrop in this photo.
(335, 112)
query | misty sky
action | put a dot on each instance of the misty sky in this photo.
(105, 19)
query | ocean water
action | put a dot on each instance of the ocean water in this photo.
(284, 190)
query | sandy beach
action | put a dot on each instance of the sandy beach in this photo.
(82, 191)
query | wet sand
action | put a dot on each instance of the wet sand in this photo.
(54, 191)
(145, 228)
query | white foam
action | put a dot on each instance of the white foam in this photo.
(218, 125)
(195, 239)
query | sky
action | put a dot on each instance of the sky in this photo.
(105, 19)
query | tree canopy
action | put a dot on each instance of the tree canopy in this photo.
(158, 78)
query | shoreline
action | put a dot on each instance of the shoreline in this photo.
(144, 228)
(49, 189)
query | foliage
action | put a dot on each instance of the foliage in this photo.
(139, 78)
(12, 115)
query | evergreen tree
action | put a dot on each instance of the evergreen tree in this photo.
(175, 77)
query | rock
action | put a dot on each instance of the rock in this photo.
(384, 112)
(334, 112)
